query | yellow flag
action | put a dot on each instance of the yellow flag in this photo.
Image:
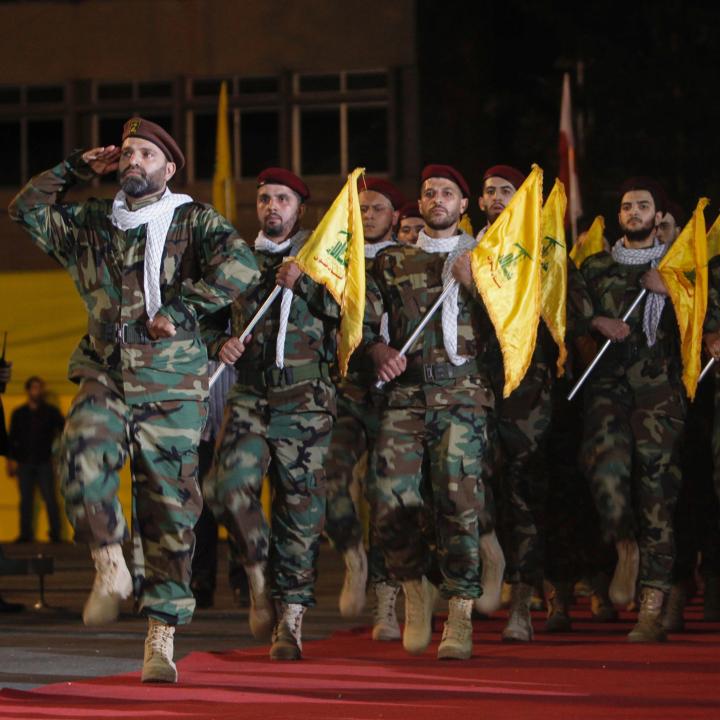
(713, 239)
(465, 225)
(591, 244)
(553, 287)
(223, 188)
(334, 256)
(684, 270)
(506, 269)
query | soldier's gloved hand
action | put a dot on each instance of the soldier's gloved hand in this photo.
(712, 344)
(102, 160)
(389, 363)
(160, 327)
(612, 328)
(462, 271)
(233, 349)
(288, 275)
(653, 282)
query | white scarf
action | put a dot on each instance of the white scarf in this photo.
(294, 243)
(454, 246)
(157, 216)
(656, 302)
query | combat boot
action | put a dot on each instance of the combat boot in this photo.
(674, 615)
(601, 607)
(419, 603)
(519, 627)
(624, 581)
(262, 612)
(649, 625)
(493, 568)
(456, 643)
(352, 596)
(558, 595)
(711, 599)
(158, 665)
(385, 622)
(287, 635)
(112, 584)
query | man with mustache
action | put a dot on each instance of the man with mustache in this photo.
(278, 420)
(434, 427)
(635, 408)
(147, 265)
(354, 434)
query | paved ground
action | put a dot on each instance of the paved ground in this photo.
(52, 645)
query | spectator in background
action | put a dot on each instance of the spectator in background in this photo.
(34, 427)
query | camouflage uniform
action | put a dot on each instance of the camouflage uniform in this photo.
(138, 398)
(433, 427)
(278, 422)
(634, 413)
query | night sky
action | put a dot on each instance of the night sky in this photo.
(491, 78)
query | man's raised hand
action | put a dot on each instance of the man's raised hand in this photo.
(102, 160)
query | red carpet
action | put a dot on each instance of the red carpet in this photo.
(591, 673)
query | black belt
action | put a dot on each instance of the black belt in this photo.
(130, 333)
(437, 372)
(277, 377)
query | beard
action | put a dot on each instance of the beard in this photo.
(137, 186)
(641, 233)
(442, 223)
(281, 229)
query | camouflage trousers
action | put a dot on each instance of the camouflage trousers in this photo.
(523, 421)
(446, 445)
(161, 439)
(256, 440)
(354, 434)
(630, 456)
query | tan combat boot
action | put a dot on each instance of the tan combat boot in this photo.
(456, 641)
(624, 581)
(558, 595)
(674, 615)
(112, 584)
(262, 611)
(385, 622)
(158, 666)
(352, 596)
(287, 634)
(649, 625)
(519, 627)
(601, 607)
(493, 568)
(419, 603)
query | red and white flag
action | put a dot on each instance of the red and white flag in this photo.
(568, 170)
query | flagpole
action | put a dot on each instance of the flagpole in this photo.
(706, 369)
(250, 326)
(418, 330)
(604, 348)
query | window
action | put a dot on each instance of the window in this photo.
(115, 91)
(257, 85)
(10, 143)
(259, 134)
(366, 81)
(320, 142)
(45, 139)
(368, 138)
(204, 132)
(9, 95)
(319, 83)
(45, 94)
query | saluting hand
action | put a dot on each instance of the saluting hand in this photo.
(288, 275)
(233, 349)
(389, 363)
(102, 160)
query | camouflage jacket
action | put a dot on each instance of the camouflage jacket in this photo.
(309, 341)
(409, 281)
(612, 287)
(205, 266)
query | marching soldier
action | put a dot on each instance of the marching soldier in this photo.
(146, 264)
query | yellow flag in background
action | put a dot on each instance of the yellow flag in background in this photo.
(713, 239)
(553, 265)
(506, 269)
(684, 270)
(334, 256)
(223, 187)
(591, 244)
(466, 226)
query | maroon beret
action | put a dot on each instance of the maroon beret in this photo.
(152, 132)
(281, 176)
(384, 187)
(511, 174)
(650, 185)
(410, 210)
(448, 172)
